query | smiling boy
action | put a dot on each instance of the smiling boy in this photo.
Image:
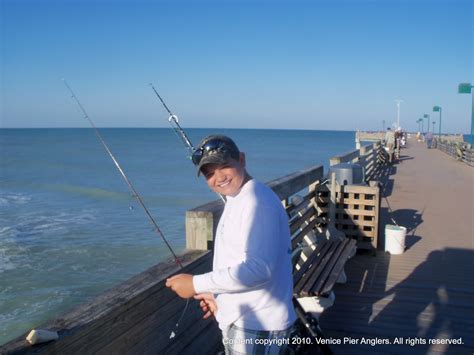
(250, 288)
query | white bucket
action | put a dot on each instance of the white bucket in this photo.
(395, 239)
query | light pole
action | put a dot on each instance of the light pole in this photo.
(419, 124)
(427, 122)
(422, 125)
(466, 88)
(398, 112)
(383, 125)
(438, 109)
(433, 125)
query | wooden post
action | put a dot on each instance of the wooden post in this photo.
(334, 161)
(201, 225)
(198, 229)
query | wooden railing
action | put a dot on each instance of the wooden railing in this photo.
(136, 317)
(459, 150)
(201, 222)
(371, 157)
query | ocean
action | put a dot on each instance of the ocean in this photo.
(69, 226)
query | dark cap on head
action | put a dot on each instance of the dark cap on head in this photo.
(215, 149)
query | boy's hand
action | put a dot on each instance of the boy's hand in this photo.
(208, 304)
(182, 284)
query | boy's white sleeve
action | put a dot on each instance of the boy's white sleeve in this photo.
(259, 229)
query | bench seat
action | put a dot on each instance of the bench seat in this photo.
(321, 270)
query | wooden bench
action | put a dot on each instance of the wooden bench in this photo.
(320, 272)
(318, 263)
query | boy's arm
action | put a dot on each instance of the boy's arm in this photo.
(260, 234)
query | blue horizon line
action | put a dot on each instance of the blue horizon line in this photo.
(169, 128)
(218, 128)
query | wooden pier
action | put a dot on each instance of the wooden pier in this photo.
(425, 293)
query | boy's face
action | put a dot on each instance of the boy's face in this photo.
(225, 179)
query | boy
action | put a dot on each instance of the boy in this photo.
(250, 288)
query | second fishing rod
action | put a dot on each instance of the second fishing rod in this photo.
(174, 122)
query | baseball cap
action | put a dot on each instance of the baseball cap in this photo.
(215, 149)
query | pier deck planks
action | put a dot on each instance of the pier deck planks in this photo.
(429, 290)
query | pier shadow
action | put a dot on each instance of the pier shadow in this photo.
(434, 301)
(386, 187)
(383, 176)
(405, 157)
(430, 303)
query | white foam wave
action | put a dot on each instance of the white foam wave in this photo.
(13, 199)
(5, 261)
(33, 224)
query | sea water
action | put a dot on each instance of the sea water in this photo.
(69, 226)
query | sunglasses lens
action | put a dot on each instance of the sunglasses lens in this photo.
(197, 156)
(212, 145)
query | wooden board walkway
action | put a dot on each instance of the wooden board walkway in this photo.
(427, 292)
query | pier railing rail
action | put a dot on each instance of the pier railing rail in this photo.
(461, 151)
(140, 315)
(201, 222)
(371, 157)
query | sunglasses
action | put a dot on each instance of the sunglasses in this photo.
(211, 146)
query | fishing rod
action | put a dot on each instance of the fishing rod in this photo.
(131, 187)
(173, 120)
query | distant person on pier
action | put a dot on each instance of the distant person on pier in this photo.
(398, 138)
(250, 288)
(390, 143)
(429, 139)
(403, 140)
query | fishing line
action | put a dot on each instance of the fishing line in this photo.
(132, 188)
(388, 205)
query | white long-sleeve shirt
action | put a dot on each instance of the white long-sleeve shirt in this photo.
(252, 272)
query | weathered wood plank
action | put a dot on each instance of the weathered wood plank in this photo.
(297, 239)
(98, 317)
(321, 249)
(296, 223)
(201, 225)
(291, 209)
(293, 183)
(333, 260)
(345, 158)
(314, 278)
(348, 246)
(152, 322)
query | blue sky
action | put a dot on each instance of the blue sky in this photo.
(244, 64)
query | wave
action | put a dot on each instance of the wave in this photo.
(29, 225)
(13, 199)
(5, 261)
(94, 192)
